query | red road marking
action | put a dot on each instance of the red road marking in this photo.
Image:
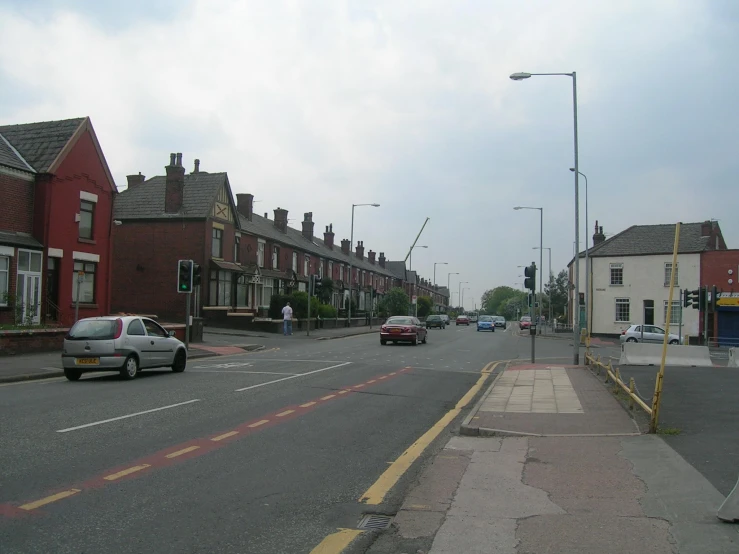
(200, 446)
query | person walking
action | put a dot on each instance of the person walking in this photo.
(287, 319)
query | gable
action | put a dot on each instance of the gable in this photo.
(222, 207)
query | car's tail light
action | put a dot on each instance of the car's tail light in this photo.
(118, 328)
(383, 328)
(623, 332)
(406, 329)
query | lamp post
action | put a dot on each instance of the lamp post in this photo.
(435, 264)
(462, 301)
(459, 292)
(448, 283)
(576, 313)
(351, 245)
(550, 281)
(587, 257)
(541, 256)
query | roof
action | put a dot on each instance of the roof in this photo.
(397, 269)
(19, 239)
(9, 156)
(146, 200)
(40, 144)
(646, 240)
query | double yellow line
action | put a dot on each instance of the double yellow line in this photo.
(337, 542)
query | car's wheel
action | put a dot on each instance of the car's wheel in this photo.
(424, 338)
(72, 374)
(383, 342)
(414, 341)
(180, 361)
(631, 339)
(674, 341)
(130, 367)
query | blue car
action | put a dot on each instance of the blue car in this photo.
(485, 323)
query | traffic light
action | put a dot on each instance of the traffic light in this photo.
(685, 297)
(695, 298)
(530, 274)
(317, 283)
(714, 297)
(702, 297)
(196, 274)
(184, 276)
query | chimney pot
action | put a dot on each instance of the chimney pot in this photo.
(134, 180)
(197, 166)
(598, 237)
(172, 158)
(174, 184)
(179, 159)
(360, 250)
(281, 219)
(308, 226)
(328, 237)
(345, 246)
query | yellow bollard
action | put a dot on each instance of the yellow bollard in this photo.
(632, 390)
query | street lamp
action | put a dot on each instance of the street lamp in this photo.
(448, 283)
(459, 292)
(587, 270)
(550, 280)
(541, 255)
(462, 301)
(576, 313)
(351, 245)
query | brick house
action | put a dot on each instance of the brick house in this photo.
(720, 268)
(56, 198)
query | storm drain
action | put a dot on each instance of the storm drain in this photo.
(375, 521)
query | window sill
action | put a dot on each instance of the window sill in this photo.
(612, 285)
(84, 306)
(86, 241)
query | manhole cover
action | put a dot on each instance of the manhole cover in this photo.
(375, 521)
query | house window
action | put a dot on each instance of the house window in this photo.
(622, 310)
(87, 286)
(217, 245)
(295, 262)
(4, 279)
(237, 249)
(306, 265)
(668, 273)
(341, 273)
(242, 291)
(364, 278)
(87, 211)
(260, 254)
(267, 289)
(275, 257)
(221, 285)
(320, 269)
(330, 270)
(617, 274)
(674, 315)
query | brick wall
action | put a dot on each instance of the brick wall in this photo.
(715, 268)
(16, 204)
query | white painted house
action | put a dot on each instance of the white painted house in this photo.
(630, 276)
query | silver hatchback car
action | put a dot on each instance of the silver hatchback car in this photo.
(125, 344)
(648, 333)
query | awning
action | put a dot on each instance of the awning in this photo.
(228, 266)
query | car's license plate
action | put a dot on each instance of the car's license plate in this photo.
(88, 361)
(395, 330)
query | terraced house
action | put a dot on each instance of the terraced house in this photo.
(245, 257)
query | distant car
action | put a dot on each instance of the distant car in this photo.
(435, 321)
(463, 320)
(446, 319)
(525, 322)
(473, 318)
(500, 321)
(403, 329)
(125, 344)
(486, 323)
(651, 333)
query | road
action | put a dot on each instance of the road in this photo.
(262, 452)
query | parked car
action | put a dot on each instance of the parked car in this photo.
(525, 322)
(463, 320)
(125, 344)
(651, 333)
(486, 323)
(446, 319)
(500, 321)
(403, 329)
(435, 321)
(473, 318)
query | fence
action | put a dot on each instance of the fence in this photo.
(614, 375)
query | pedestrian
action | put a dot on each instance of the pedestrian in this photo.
(287, 320)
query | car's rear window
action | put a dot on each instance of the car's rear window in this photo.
(486, 318)
(400, 321)
(433, 318)
(100, 329)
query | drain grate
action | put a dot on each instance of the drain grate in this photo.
(375, 521)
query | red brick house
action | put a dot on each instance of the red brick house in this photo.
(56, 198)
(720, 268)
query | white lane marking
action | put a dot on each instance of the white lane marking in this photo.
(126, 416)
(52, 368)
(237, 371)
(293, 377)
(316, 361)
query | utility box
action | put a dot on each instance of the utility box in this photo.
(196, 329)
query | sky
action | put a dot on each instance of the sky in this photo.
(315, 106)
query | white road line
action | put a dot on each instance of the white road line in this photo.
(252, 360)
(52, 368)
(292, 377)
(126, 416)
(237, 371)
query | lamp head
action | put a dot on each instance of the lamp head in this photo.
(520, 76)
(375, 205)
(572, 169)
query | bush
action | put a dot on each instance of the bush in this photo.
(298, 302)
(327, 311)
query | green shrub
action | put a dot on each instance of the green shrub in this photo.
(326, 311)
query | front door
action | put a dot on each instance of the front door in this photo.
(28, 288)
(52, 289)
(649, 312)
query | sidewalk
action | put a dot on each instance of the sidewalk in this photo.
(557, 466)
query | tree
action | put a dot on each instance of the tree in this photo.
(514, 306)
(559, 293)
(424, 306)
(395, 302)
(493, 299)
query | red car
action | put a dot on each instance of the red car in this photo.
(525, 322)
(403, 329)
(463, 320)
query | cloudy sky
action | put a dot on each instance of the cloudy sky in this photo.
(313, 106)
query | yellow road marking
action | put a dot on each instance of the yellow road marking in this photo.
(327, 397)
(336, 542)
(307, 404)
(376, 493)
(343, 391)
(286, 412)
(49, 499)
(258, 423)
(183, 451)
(225, 436)
(125, 472)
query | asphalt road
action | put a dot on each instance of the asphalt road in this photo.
(264, 452)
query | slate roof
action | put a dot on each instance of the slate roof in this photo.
(40, 143)
(646, 240)
(23, 240)
(146, 200)
(9, 157)
(397, 269)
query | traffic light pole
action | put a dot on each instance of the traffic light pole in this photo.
(188, 300)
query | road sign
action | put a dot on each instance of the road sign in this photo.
(414, 299)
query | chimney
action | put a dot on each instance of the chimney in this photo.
(706, 228)
(281, 219)
(245, 205)
(328, 236)
(134, 180)
(371, 257)
(266, 215)
(197, 166)
(598, 237)
(308, 225)
(381, 259)
(345, 246)
(175, 184)
(360, 250)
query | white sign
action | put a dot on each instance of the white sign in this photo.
(414, 299)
